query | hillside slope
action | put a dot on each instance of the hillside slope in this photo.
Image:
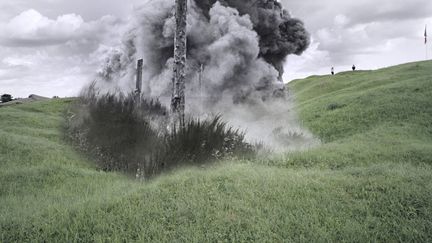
(369, 181)
(368, 117)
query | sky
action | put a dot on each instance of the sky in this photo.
(55, 47)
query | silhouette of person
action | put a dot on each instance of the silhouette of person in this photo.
(332, 70)
(353, 67)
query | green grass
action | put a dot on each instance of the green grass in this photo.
(368, 117)
(371, 180)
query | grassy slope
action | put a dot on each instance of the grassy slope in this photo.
(371, 180)
(381, 116)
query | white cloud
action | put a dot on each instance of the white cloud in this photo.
(52, 56)
(341, 20)
(31, 28)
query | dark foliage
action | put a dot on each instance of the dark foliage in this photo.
(202, 141)
(123, 134)
(6, 98)
(117, 131)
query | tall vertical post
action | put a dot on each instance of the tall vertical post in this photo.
(139, 74)
(178, 97)
(426, 43)
(200, 77)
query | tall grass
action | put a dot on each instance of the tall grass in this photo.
(123, 134)
(206, 140)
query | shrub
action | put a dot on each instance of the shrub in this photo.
(202, 141)
(112, 129)
(6, 98)
(122, 134)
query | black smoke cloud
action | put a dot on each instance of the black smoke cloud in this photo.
(279, 34)
(242, 45)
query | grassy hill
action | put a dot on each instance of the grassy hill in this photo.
(371, 180)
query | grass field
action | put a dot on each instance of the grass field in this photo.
(371, 180)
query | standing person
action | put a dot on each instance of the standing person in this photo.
(332, 70)
(353, 67)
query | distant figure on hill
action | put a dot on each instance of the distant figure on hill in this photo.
(332, 70)
(353, 67)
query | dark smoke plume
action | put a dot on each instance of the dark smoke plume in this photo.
(240, 46)
(279, 34)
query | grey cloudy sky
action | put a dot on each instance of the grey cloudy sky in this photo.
(54, 47)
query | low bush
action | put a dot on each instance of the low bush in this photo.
(202, 141)
(123, 134)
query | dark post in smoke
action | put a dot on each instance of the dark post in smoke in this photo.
(200, 79)
(178, 99)
(139, 75)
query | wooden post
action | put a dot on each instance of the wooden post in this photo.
(178, 97)
(139, 74)
(200, 77)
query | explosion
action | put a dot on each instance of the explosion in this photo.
(241, 46)
(235, 55)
